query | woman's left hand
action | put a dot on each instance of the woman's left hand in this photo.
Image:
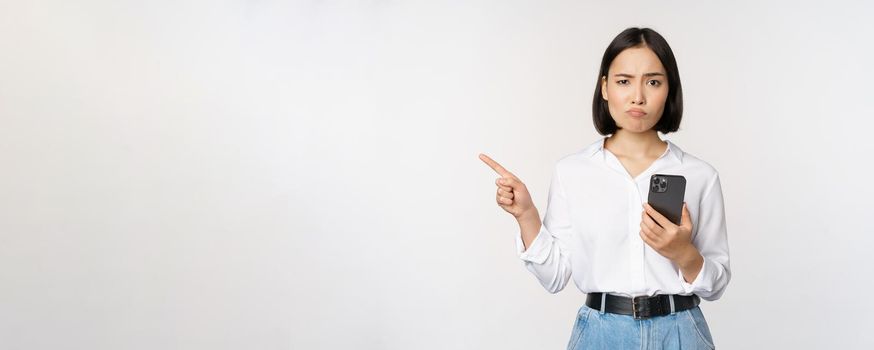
(670, 240)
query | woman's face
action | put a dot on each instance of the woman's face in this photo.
(636, 87)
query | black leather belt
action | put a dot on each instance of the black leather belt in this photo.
(642, 307)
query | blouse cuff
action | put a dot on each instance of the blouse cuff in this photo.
(539, 249)
(698, 283)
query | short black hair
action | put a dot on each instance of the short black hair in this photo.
(635, 37)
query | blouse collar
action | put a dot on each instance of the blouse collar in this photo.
(598, 146)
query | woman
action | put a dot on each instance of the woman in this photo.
(643, 275)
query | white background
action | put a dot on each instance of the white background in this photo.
(269, 175)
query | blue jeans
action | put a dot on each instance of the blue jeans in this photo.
(683, 330)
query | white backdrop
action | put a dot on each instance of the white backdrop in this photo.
(267, 175)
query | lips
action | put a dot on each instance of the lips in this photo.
(635, 112)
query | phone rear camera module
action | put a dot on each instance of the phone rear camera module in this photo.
(659, 184)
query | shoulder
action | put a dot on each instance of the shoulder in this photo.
(580, 157)
(696, 169)
(693, 162)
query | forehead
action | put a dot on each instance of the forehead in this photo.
(636, 60)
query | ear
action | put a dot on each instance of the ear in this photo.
(604, 88)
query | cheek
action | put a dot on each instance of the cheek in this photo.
(615, 96)
(659, 94)
(660, 98)
(615, 100)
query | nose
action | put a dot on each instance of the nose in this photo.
(638, 98)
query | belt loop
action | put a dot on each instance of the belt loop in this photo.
(673, 309)
(603, 302)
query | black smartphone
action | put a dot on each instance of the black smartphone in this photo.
(666, 194)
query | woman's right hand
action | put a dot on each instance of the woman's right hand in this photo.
(512, 195)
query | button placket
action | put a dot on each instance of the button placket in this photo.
(638, 282)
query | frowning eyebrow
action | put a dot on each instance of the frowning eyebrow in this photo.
(626, 75)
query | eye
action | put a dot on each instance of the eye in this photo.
(622, 82)
(654, 82)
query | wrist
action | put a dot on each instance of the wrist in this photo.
(530, 215)
(690, 258)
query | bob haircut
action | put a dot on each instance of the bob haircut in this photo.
(637, 37)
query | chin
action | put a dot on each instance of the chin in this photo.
(637, 128)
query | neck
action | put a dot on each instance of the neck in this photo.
(635, 144)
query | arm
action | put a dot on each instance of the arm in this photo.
(529, 226)
(541, 245)
(690, 264)
(708, 266)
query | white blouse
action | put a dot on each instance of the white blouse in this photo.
(592, 228)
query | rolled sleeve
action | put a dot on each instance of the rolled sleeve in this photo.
(698, 284)
(539, 249)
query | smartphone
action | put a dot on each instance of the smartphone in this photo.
(666, 194)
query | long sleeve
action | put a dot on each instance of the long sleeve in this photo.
(712, 242)
(548, 256)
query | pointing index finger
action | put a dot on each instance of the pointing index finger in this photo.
(495, 166)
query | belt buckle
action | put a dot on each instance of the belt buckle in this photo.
(634, 309)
